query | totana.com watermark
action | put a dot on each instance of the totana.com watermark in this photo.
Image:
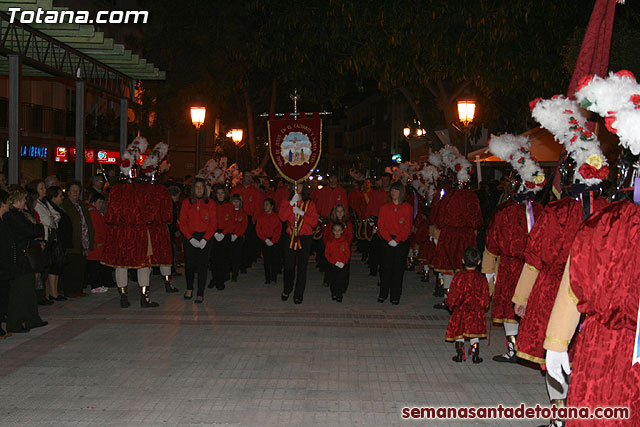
(41, 16)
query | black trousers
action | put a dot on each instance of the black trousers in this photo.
(375, 256)
(74, 273)
(196, 261)
(219, 261)
(393, 262)
(270, 256)
(337, 279)
(250, 248)
(98, 274)
(321, 260)
(237, 253)
(295, 266)
(4, 298)
(23, 304)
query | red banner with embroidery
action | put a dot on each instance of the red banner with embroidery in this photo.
(295, 243)
(295, 146)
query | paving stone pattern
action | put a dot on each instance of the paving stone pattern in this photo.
(245, 358)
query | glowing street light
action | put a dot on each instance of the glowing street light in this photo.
(197, 119)
(466, 110)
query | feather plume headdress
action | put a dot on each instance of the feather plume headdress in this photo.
(516, 151)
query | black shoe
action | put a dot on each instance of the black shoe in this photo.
(338, 299)
(220, 287)
(284, 296)
(297, 301)
(441, 306)
(58, 298)
(45, 301)
(188, 296)
(333, 297)
(199, 300)
(22, 330)
(234, 279)
(381, 300)
(395, 302)
(211, 285)
(243, 271)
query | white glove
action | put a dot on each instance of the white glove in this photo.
(558, 361)
(268, 242)
(294, 199)
(203, 243)
(219, 237)
(298, 211)
(195, 243)
(393, 243)
(491, 277)
(234, 237)
(339, 264)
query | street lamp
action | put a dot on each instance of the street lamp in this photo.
(406, 132)
(236, 137)
(466, 112)
(197, 118)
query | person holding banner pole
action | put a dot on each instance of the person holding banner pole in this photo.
(301, 216)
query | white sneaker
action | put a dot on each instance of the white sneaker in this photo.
(100, 290)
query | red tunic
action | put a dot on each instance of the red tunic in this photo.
(377, 198)
(458, 218)
(605, 273)
(269, 226)
(99, 233)
(138, 214)
(327, 234)
(238, 222)
(328, 198)
(282, 194)
(548, 250)
(224, 212)
(252, 199)
(198, 217)
(309, 220)
(507, 237)
(357, 205)
(422, 241)
(468, 299)
(338, 250)
(395, 222)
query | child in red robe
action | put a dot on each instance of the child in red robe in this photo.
(468, 299)
(269, 228)
(338, 253)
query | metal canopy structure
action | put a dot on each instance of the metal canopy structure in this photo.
(73, 51)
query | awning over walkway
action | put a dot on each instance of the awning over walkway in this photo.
(543, 147)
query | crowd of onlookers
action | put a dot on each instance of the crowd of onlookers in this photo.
(51, 244)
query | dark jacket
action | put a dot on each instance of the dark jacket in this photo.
(21, 233)
(65, 229)
(76, 224)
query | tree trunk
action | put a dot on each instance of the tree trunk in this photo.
(250, 127)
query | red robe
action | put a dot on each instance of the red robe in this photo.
(328, 198)
(268, 226)
(99, 233)
(548, 250)
(252, 200)
(137, 217)
(605, 278)
(422, 240)
(357, 205)
(507, 238)
(458, 218)
(468, 299)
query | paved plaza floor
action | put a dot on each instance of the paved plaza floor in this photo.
(245, 358)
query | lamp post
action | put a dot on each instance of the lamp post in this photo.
(466, 112)
(236, 137)
(197, 118)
